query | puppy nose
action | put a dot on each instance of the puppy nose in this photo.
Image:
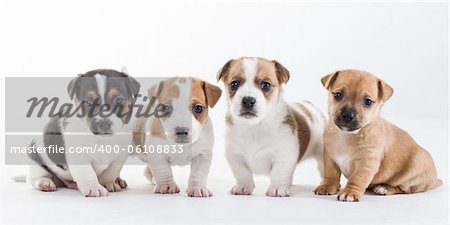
(182, 131)
(348, 115)
(248, 102)
(104, 124)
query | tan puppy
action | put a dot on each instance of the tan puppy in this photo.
(368, 150)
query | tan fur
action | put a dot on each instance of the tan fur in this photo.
(299, 126)
(380, 155)
(205, 94)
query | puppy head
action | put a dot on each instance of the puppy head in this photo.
(253, 87)
(105, 97)
(355, 98)
(189, 100)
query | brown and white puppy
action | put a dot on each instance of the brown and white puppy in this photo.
(187, 131)
(368, 150)
(265, 134)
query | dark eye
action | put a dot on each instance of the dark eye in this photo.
(166, 108)
(88, 103)
(368, 102)
(338, 96)
(234, 85)
(197, 109)
(118, 100)
(265, 86)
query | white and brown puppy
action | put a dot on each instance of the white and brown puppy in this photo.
(266, 135)
(103, 101)
(187, 134)
(368, 150)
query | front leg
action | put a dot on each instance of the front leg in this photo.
(110, 177)
(162, 173)
(242, 173)
(199, 175)
(363, 172)
(332, 177)
(281, 177)
(87, 182)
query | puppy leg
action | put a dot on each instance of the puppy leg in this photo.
(281, 177)
(199, 174)
(363, 173)
(164, 178)
(87, 182)
(148, 174)
(332, 176)
(242, 173)
(110, 178)
(40, 178)
(384, 189)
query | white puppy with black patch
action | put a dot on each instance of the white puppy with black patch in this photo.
(182, 137)
(266, 135)
(100, 119)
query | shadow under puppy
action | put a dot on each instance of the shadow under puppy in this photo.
(183, 137)
(368, 150)
(94, 174)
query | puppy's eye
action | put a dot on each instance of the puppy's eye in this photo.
(88, 103)
(234, 85)
(265, 86)
(197, 109)
(368, 102)
(118, 100)
(166, 108)
(338, 96)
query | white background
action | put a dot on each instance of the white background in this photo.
(404, 43)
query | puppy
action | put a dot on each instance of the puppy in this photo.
(368, 150)
(183, 137)
(266, 135)
(94, 173)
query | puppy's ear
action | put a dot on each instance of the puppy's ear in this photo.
(385, 91)
(224, 70)
(134, 86)
(328, 80)
(212, 93)
(73, 86)
(156, 89)
(282, 73)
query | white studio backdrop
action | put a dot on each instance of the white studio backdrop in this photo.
(404, 43)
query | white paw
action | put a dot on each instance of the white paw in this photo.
(116, 185)
(170, 188)
(282, 191)
(45, 184)
(96, 190)
(198, 191)
(242, 189)
(380, 189)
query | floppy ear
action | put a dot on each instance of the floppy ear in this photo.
(73, 85)
(224, 70)
(134, 85)
(155, 89)
(282, 73)
(385, 91)
(328, 80)
(212, 93)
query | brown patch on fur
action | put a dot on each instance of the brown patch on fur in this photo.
(306, 111)
(266, 72)
(169, 91)
(233, 70)
(199, 97)
(157, 129)
(300, 127)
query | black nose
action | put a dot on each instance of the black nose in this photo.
(181, 131)
(248, 102)
(104, 124)
(348, 115)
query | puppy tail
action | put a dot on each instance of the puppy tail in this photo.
(20, 178)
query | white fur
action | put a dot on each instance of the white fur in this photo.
(265, 144)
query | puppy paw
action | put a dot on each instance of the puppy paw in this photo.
(349, 195)
(122, 183)
(383, 189)
(45, 184)
(96, 190)
(326, 190)
(242, 189)
(283, 191)
(170, 188)
(198, 191)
